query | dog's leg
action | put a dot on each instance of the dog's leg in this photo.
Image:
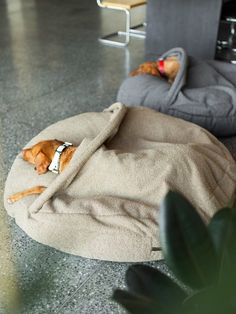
(17, 196)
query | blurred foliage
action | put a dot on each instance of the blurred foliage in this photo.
(202, 258)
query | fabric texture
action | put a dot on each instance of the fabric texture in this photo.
(105, 204)
(204, 92)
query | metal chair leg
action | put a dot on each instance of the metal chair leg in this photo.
(128, 30)
(107, 41)
(136, 32)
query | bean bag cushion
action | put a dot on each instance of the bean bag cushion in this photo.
(105, 204)
(204, 92)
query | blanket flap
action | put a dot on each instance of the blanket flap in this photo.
(81, 155)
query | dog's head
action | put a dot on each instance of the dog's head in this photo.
(41, 154)
(171, 68)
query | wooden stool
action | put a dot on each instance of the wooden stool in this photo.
(124, 6)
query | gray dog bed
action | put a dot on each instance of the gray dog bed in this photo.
(104, 205)
(204, 92)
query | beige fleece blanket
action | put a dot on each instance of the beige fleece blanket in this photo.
(105, 204)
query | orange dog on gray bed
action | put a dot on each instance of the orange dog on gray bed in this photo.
(50, 155)
(167, 68)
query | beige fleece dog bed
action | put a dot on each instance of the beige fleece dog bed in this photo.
(105, 203)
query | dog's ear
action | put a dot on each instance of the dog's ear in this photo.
(41, 163)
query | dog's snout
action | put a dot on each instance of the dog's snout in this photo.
(24, 153)
(27, 154)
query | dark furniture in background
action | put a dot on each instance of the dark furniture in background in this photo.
(191, 24)
(226, 48)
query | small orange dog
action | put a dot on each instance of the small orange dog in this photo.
(167, 68)
(51, 155)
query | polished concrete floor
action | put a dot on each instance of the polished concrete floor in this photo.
(52, 67)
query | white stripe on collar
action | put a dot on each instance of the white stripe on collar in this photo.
(55, 164)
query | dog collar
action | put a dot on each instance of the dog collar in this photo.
(55, 164)
(161, 66)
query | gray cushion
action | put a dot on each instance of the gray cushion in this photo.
(204, 92)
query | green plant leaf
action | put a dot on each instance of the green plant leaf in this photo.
(222, 228)
(136, 304)
(151, 283)
(208, 301)
(187, 246)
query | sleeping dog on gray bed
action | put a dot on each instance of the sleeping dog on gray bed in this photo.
(167, 68)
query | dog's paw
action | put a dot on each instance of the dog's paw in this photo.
(12, 199)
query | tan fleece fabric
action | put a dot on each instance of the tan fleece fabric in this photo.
(105, 203)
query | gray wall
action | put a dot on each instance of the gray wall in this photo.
(191, 24)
